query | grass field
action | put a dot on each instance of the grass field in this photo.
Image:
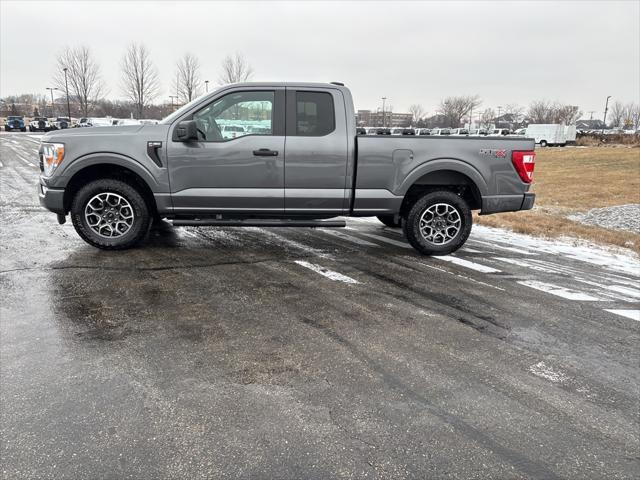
(569, 180)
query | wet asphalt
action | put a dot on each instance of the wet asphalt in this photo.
(299, 353)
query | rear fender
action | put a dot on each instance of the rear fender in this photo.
(444, 164)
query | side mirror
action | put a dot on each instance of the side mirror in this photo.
(186, 131)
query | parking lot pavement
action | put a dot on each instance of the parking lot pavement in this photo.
(299, 353)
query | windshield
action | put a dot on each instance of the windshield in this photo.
(170, 118)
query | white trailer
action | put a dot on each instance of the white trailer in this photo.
(547, 134)
(570, 133)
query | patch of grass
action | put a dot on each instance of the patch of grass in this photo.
(569, 180)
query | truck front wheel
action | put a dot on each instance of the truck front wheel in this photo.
(438, 223)
(110, 214)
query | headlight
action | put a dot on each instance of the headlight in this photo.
(52, 155)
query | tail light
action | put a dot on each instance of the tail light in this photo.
(524, 162)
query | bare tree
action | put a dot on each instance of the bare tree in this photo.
(417, 111)
(454, 108)
(616, 114)
(628, 120)
(83, 76)
(235, 69)
(140, 78)
(516, 112)
(540, 111)
(187, 81)
(487, 118)
(567, 114)
(635, 115)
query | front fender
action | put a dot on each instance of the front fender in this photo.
(105, 158)
(439, 165)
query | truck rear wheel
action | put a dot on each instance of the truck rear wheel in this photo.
(389, 221)
(110, 214)
(438, 223)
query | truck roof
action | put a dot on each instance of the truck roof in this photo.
(285, 84)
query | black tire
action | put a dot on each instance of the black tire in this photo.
(141, 215)
(31, 129)
(7, 129)
(411, 225)
(543, 143)
(389, 221)
(23, 129)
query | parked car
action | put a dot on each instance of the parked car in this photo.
(383, 131)
(396, 131)
(478, 132)
(95, 122)
(459, 131)
(498, 132)
(423, 131)
(232, 131)
(408, 131)
(61, 123)
(39, 124)
(127, 121)
(14, 122)
(361, 131)
(185, 170)
(441, 131)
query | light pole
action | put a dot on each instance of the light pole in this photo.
(51, 89)
(172, 97)
(384, 124)
(206, 86)
(498, 119)
(66, 86)
(604, 120)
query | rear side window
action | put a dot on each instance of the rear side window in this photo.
(315, 116)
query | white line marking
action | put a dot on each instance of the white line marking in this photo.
(349, 238)
(632, 314)
(559, 291)
(330, 274)
(463, 276)
(467, 264)
(508, 249)
(470, 250)
(624, 290)
(544, 371)
(520, 263)
(383, 239)
(1, 164)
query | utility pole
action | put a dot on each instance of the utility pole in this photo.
(66, 86)
(591, 112)
(498, 119)
(384, 124)
(51, 89)
(604, 120)
(470, 117)
(206, 86)
(172, 97)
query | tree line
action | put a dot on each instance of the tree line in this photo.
(455, 111)
(139, 84)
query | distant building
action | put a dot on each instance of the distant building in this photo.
(582, 125)
(369, 118)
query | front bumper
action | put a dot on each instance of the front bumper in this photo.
(52, 198)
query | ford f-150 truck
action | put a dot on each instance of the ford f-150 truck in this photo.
(295, 160)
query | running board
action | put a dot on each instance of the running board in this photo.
(256, 222)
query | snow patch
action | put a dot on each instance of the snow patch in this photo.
(559, 291)
(541, 370)
(325, 272)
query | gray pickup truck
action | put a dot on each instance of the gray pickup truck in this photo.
(277, 154)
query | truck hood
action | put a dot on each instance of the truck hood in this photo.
(85, 135)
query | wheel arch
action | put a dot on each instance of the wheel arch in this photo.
(451, 175)
(109, 168)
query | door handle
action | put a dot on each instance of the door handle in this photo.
(265, 152)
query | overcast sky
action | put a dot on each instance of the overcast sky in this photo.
(410, 52)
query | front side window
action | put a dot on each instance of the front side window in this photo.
(235, 115)
(314, 114)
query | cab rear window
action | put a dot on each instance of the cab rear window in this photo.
(315, 115)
